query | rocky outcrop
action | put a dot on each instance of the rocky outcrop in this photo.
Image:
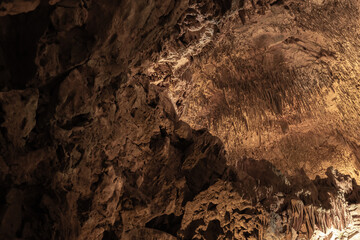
(87, 150)
(14, 7)
(18, 108)
(123, 178)
(222, 213)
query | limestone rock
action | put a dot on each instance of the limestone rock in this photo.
(18, 110)
(14, 7)
(103, 106)
(65, 18)
(148, 234)
(222, 213)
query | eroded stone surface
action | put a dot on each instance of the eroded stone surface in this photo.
(18, 110)
(14, 7)
(276, 81)
(104, 153)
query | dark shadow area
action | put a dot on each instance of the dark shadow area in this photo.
(166, 223)
(19, 38)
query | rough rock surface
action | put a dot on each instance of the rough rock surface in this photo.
(13, 7)
(276, 81)
(102, 135)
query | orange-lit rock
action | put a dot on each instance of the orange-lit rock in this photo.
(179, 119)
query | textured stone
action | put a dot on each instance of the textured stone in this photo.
(275, 81)
(18, 110)
(148, 234)
(14, 7)
(116, 94)
(65, 18)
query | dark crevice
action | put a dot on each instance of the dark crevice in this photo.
(77, 121)
(109, 235)
(191, 228)
(213, 230)
(19, 43)
(166, 223)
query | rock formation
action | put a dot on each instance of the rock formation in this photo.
(179, 119)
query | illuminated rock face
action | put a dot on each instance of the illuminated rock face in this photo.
(277, 82)
(179, 119)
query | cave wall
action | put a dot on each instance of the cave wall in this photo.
(91, 148)
(83, 146)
